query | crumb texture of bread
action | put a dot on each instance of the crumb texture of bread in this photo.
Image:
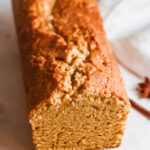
(75, 93)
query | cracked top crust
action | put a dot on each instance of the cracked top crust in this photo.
(64, 51)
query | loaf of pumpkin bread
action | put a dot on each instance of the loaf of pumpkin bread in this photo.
(75, 94)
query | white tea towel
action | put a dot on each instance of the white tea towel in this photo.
(127, 25)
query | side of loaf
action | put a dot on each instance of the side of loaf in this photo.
(75, 94)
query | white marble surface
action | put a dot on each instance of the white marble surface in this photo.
(15, 132)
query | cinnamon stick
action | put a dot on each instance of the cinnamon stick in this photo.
(140, 109)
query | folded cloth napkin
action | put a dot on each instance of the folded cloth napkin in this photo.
(127, 25)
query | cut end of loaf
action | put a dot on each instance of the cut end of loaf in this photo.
(82, 122)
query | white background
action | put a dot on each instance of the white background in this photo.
(15, 131)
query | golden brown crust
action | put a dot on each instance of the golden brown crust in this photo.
(42, 47)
